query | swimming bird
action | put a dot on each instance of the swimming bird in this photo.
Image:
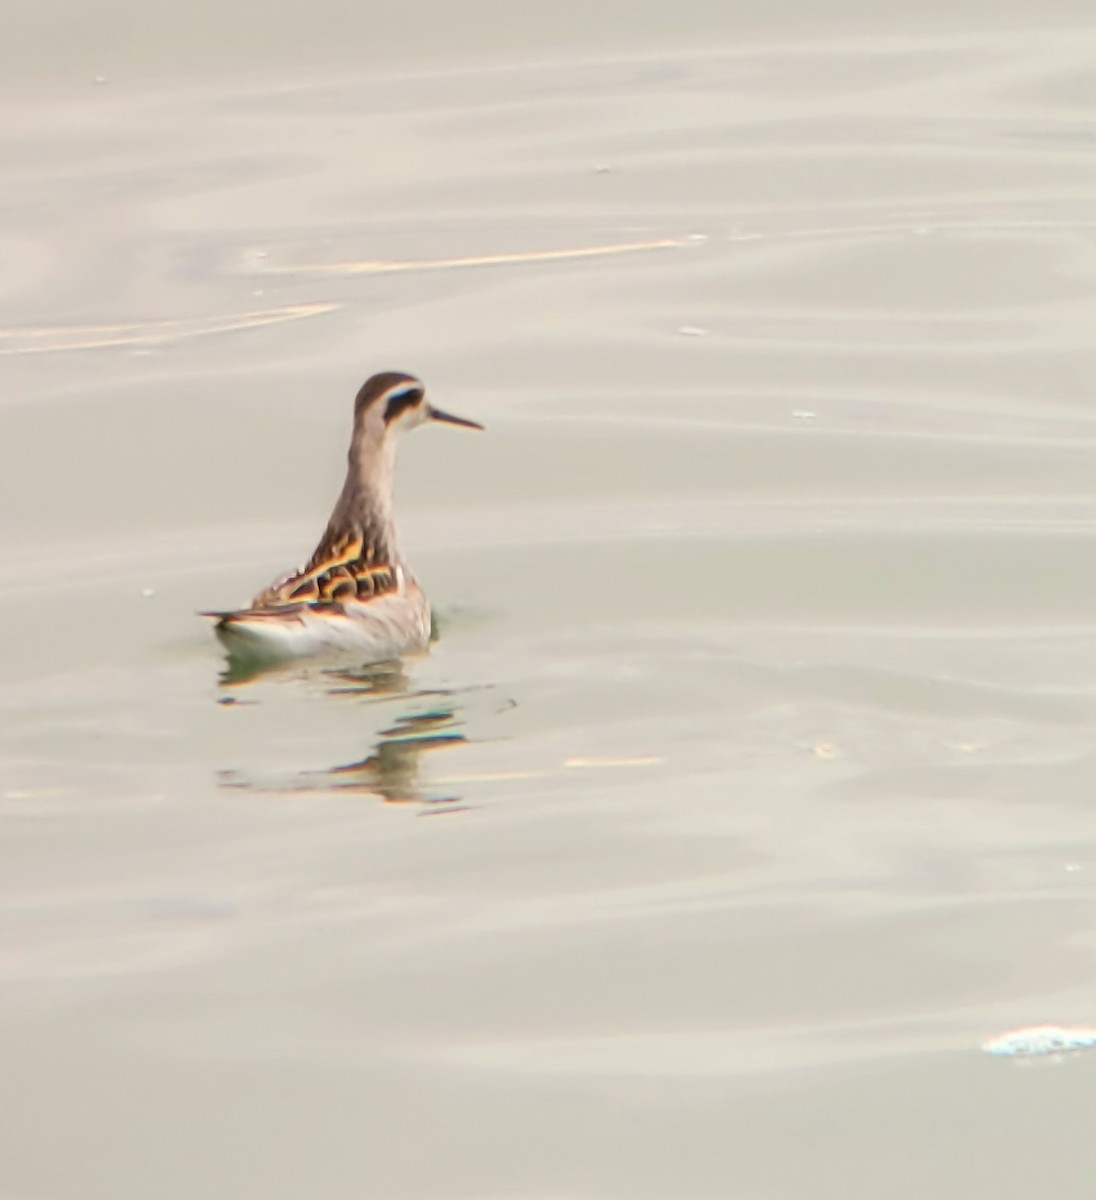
(355, 594)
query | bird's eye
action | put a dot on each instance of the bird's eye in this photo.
(400, 400)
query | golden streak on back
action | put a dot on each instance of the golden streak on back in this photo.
(344, 570)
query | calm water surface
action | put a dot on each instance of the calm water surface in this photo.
(749, 788)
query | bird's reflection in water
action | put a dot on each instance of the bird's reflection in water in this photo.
(335, 677)
(391, 770)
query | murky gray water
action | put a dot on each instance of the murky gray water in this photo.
(749, 788)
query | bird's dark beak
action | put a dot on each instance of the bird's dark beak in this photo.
(435, 414)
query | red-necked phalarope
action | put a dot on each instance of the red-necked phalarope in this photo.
(355, 593)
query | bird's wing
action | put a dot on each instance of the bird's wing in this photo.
(344, 567)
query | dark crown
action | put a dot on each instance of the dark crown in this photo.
(402, 390)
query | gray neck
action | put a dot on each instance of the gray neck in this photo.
(365, 503)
